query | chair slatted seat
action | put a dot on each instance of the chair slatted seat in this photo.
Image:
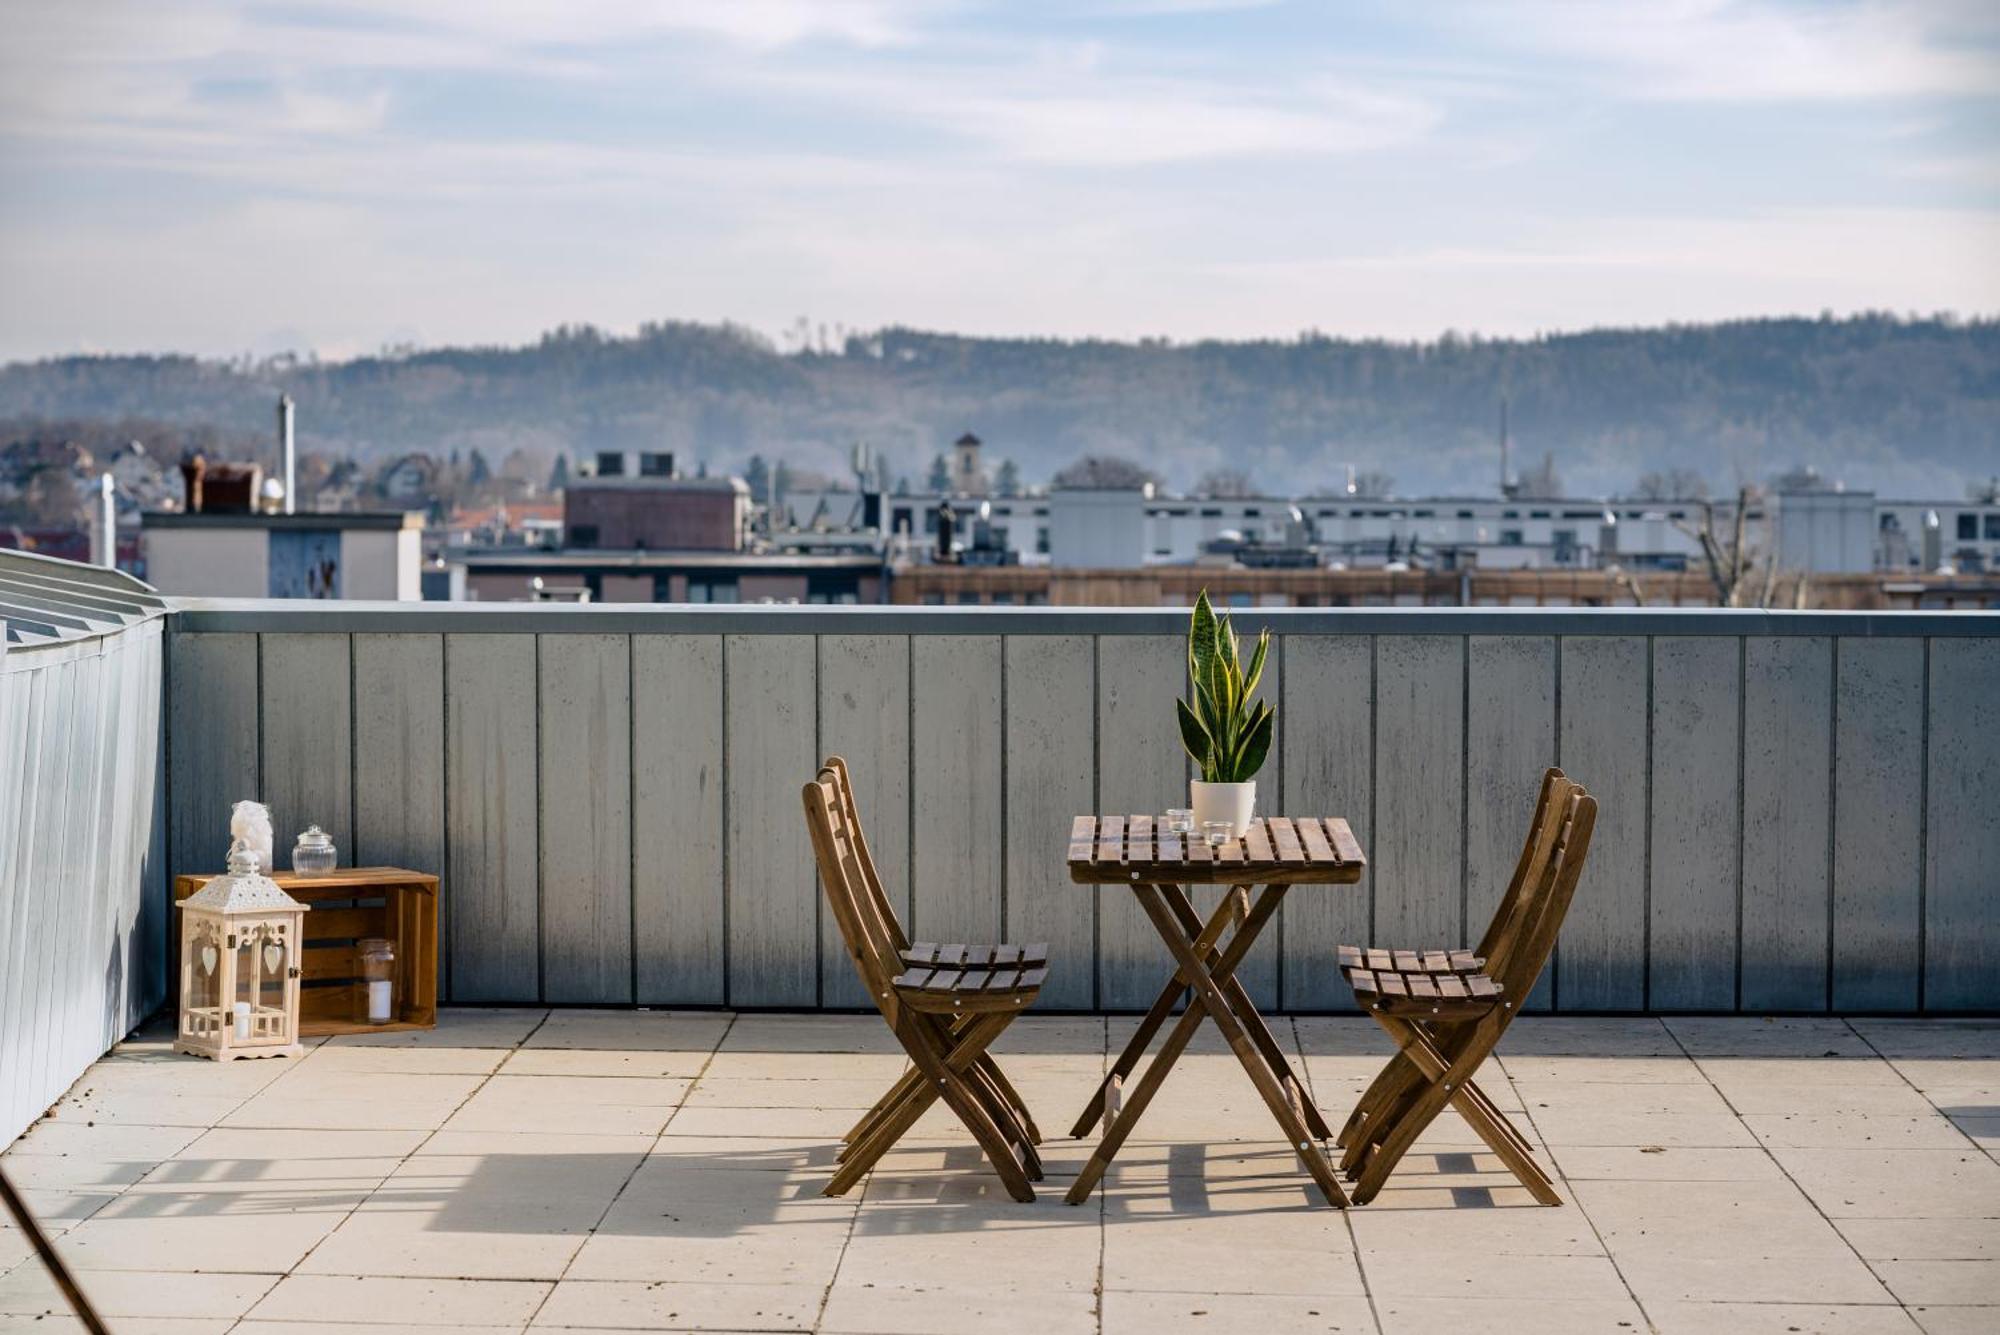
(946, 1006)
(1446, 1023)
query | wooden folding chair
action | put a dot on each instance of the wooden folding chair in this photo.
(1399, 1074)
(1445, 1024)
(945, 1015)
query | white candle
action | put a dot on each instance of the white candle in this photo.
(243, 1019)
(378, 1001)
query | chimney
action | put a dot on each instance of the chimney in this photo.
(193, 468)
(287, 453)
(1506, 473)
(104, 532)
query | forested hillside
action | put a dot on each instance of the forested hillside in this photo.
(1904, 405)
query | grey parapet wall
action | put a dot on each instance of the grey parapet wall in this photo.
(83, 890)
(1798, 809)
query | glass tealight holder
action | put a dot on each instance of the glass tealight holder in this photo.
(375, 998)
(314, 854)
(1180, 820)
(1217, 832)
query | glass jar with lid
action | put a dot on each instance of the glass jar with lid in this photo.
(314, 854)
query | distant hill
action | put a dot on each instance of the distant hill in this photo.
(1904, 405)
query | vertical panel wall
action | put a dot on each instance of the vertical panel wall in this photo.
(83, 886)
(1788, 821)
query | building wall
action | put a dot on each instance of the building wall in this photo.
(381, 564)
(209, 562)
(658, 518)
(1796, 808)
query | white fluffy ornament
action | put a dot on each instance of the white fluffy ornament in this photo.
(250, 826)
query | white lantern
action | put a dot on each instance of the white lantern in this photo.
(240, 941)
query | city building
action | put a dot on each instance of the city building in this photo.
(636, 501)
(257, 554)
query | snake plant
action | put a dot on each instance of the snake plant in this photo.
(1226, 732)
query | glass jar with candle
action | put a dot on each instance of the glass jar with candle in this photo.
(375, 998)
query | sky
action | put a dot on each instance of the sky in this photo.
(228, 178)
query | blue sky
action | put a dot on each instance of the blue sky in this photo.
(223, 178)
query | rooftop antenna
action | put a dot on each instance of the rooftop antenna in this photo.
(1506, 473)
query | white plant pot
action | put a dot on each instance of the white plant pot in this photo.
(1233, 802)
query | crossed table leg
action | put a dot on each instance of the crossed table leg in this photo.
(1219, 996)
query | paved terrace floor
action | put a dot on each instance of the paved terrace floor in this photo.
(530, 1170)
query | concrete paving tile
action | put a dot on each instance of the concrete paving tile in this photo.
(1564, 1036)
(1396, 1275)
(606, 1105)
(1410, 1237)
(1917, 1184)
(173, 1325)
(1544, 1316)
(827, 1124)
(1921, 1283)
(1722, 1220)
(1559, 1114)
(1704, 1318)
(610, 1305)
(277, 1112)
(1855, 1131)
(1766, 1036)
(1053, 1036)
(1923, 1239)
(533, 1144)
(1834, 1278)
(1662, 1070)
(879, 1309)
(595, 1062)
(1822, 1073)
(1939, 1320)
(133, 1233)
(809, 1033)
(97, 1146)
(810, 1154)
(1983, 1130)
(137, 1293)
(882, 1067)
(254, 1327)
(1927, 1073)
(1766, 1096)
(287, 1155)
(1665, 1163)
(689, 1223)
(856, 1093)
(632, 1031)
(984, 1244)
(387, 1060)
(147, 1107)
(458, 1027)
(1932, 1038)
(14, 1323)
(377, 1299)
(1127, 1313)
(62, 1209)
(1266, 1239)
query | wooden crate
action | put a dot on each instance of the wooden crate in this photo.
(344, 906)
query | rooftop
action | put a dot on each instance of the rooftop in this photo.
(533, 1169)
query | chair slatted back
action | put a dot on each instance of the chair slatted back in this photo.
(871, 943)
(1546, 896)
(1552, 780)
(871, 879)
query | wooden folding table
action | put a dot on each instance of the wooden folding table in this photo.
(1277, 853)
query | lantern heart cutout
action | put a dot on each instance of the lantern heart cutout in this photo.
(208, 958)
(273, 956)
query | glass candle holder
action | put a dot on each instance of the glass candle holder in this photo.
(376, 995)
(1217, 832)
(1180, 820)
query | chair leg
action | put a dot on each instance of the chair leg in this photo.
(926, 1050)
(1013, 1099)
(968, 1046)
(1430, 1101)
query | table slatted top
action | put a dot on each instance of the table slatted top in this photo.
(1290, 850)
